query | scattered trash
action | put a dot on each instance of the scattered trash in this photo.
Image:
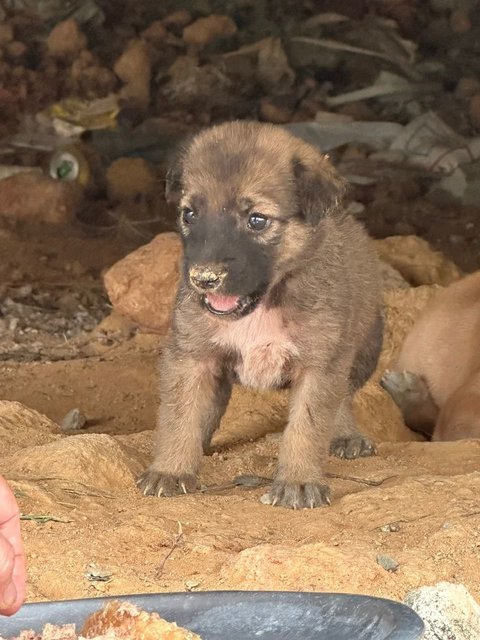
(73, 421)
(11, 170)
(83, 115)
(378, 135)
(54, 11)
(429, 143)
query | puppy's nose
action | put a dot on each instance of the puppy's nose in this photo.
(207, 277)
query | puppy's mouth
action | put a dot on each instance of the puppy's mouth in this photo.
(233, 306)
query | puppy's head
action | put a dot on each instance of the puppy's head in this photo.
(250, 197)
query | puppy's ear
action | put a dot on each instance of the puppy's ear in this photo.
(174, 177)
(320, 190)
(173, 180)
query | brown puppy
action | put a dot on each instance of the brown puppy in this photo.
(436, 379)
(280, 288)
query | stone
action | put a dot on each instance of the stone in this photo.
(155, 33)
(134, 68)
(375, 412)
(474, 110)
(16, 49)
(95, 459)
(467, 87)
(460, 21)
(178, 19)
(37, 198)
(142, 286)
(416, 261)
(205, 30)
(6, 33)
(308, 567)
(128, 178)
(66, 40)
(448, 611)
(391, 278)
(73, 421)
(387, 563)
(272, 111)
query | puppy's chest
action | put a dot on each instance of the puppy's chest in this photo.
(262, 346)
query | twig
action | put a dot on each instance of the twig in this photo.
(177, 541)
(370, 483)
(42, 519)
(404, 521)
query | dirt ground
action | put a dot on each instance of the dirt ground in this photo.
(406, 518)
(416, 502)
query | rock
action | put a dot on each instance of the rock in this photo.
(134, 68)
(73, 421)
(178, 19)
(402, 307)
(271, 111)
(89, 78)
(205, 30)
(416, 261)
(155, 33)
(6, 33)
(23, 427)
(274, 71)
(191, 83)
(448, 611)
(467, 87)
(128, 178)
(402, 228)
(391, 278)
(474, 110)
(36, 198)
(311, 567)
(115, 326)
(66, 40)
(143, 285)
(374, 410)
(16, 49)
(460, 21)
(387, 563)
(94, 459)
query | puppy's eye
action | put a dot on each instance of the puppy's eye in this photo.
(258, 222)
(189, 216)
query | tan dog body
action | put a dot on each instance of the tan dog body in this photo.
(296, 304)
(440, 393)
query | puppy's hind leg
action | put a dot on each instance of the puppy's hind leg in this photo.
(347, 441)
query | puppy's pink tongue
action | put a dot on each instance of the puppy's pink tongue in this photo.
(222, 303)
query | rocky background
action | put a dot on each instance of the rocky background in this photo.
(93, 99)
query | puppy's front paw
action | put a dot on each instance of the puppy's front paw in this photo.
(294, 495)
(353, 447)
(154, 483)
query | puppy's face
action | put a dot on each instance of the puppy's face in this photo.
(249, 196)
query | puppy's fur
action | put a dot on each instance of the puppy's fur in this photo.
(294, 304)
(436, 379)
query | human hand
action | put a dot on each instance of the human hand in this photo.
(12, 559)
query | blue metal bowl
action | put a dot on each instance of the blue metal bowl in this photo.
(247, 615)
